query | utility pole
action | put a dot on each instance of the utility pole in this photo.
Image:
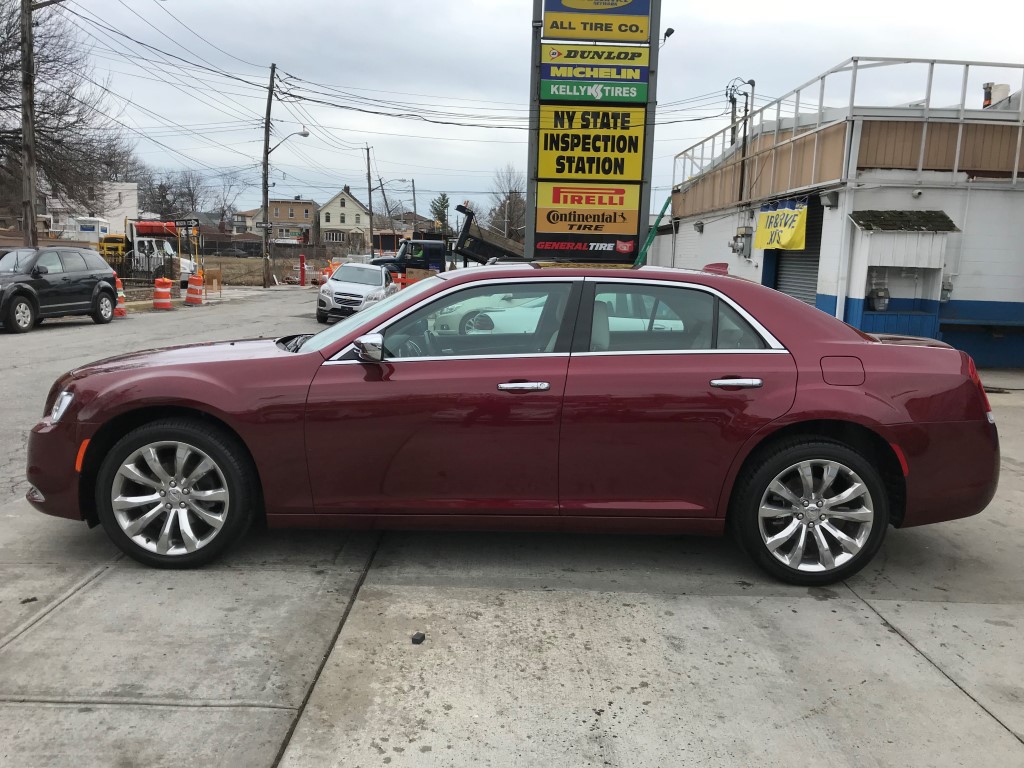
(28, 128)
(387, 209)
(369, 197)
(266, 178)
(415, 217)
(731, 93)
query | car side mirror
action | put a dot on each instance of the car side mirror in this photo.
(370, 347)
(39, 269)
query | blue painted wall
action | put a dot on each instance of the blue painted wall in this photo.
(991, 332)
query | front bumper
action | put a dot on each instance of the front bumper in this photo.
(326, 305)
(52, 453)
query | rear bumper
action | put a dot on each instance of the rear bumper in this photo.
(953, 469)
(52, 452)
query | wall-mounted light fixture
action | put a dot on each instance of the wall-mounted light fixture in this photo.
(698, 227)
(830, 199)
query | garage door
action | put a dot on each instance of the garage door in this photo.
(798, 275)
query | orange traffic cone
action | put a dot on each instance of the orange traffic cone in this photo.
(162, 293)
(121, 310)
(194, 295)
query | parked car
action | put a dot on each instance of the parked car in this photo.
(352, 287)
(753, 413)
(36, 283)
(459, 318)
(238, 253)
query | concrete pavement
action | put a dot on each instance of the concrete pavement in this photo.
(540, 649)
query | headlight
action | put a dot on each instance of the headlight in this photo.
(325, 289)
(375, 295)
(60, 405)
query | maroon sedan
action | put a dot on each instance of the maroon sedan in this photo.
(639, 401)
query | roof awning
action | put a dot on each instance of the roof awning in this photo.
(904, 221)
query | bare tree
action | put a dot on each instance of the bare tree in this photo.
(225, 195)
(193, 193)
(78, 142)
(507, 213)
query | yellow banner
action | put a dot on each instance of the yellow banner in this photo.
(594, 26)
(784, 229)
(604, 143)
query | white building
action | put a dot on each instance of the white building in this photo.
(116, 203)
(912, 216)
(343, 219)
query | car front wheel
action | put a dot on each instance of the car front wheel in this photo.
(811, 511)
(103, 312)
(175, 493)
(321, 317)
(21, 316)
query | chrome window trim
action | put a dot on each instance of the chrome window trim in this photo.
(382, 327)
(766, 336)
(395, 360)
(640, 352)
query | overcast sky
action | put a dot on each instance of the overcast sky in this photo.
(470, 62)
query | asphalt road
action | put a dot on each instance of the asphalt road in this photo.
(295, 649)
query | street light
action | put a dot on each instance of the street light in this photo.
(267, 149)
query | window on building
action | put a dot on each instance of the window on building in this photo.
(341, 218)
(327, 218)
(277, 212)
(341, 203)
(305, 213)
(291, 213)
(280, 231)
(357, 218)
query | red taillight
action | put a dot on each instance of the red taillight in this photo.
(973, 371)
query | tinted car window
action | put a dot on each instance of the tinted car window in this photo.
(94, 261)
(734, 332)
(73, 261)
(16, 260)
(51, 261)
(651, 318)
(518, 318)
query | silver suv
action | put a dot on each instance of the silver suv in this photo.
(353, 287)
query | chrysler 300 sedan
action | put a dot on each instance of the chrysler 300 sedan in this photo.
(628, 401)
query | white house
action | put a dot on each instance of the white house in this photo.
(343, 219)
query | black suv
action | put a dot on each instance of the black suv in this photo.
(52, 282)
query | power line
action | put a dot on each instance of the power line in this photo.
(191, 31)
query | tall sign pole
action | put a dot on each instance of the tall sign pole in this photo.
(530, 233)
(591, 143)
(266, 179)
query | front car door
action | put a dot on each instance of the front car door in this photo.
(461, 424)
(650, 423)
(54, 288)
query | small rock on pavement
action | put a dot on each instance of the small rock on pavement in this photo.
(418, 638)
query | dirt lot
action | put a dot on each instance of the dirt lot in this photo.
(249, 271)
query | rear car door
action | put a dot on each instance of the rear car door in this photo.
(78, 279)
(651, 423)
(446, 425)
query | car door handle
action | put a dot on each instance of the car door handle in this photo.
(738, 383)
(525, 386)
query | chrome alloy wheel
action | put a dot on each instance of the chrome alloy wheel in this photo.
(23, 315)
(170, 498)
(106, 307)
(816, 516)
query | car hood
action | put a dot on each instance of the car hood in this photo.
(191, 354)
(357, 289)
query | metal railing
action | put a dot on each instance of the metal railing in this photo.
(806, 111)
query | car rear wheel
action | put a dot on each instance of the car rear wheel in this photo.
(175, 493)
(21, 316)
(466, 324)
(103, 312)
(811, 511)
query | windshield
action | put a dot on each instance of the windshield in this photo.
(351, 274)
(16, 261)
(343, 327)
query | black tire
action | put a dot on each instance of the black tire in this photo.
(39, 321)
(234, 467)
(103, 312)
(21, 315)
(321, 317)
(465, 321)
(769, 464)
